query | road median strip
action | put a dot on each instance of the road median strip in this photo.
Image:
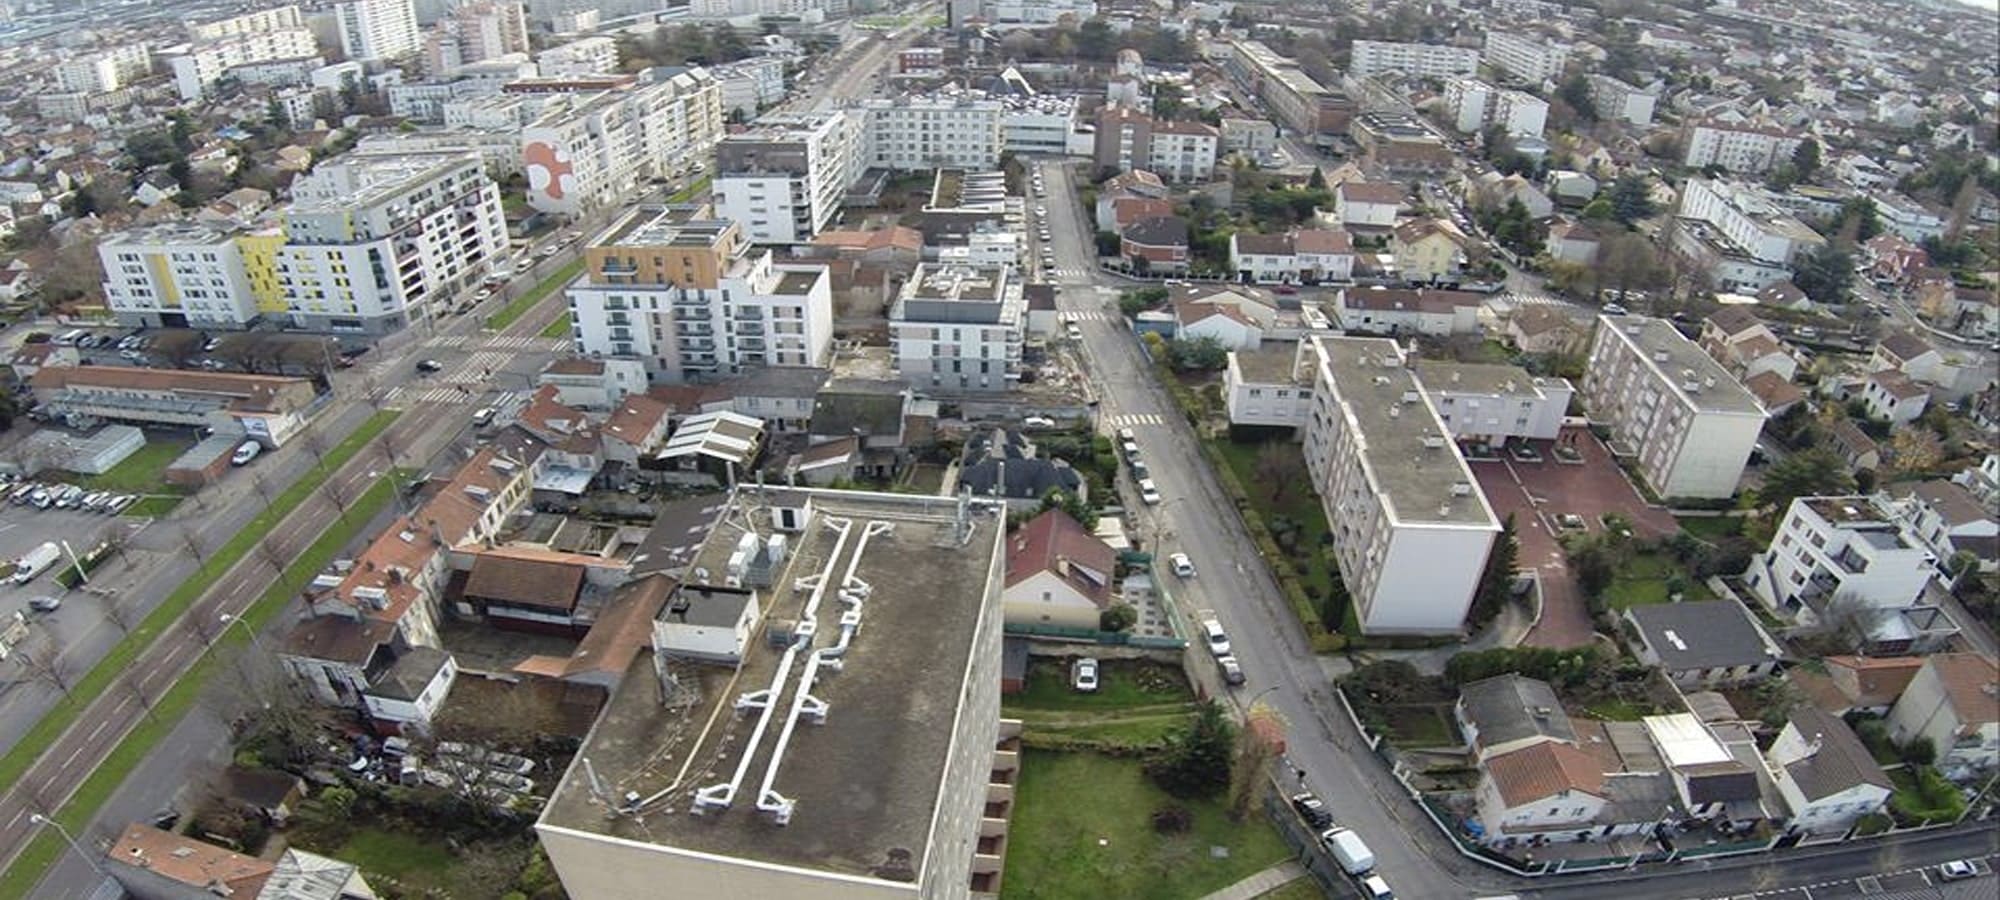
(178, 699)
(86, 690)
(519, 306)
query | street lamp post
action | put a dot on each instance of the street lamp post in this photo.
(228, 620)
(39, 819)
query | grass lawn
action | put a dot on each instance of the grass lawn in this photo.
(140, 473)
(1421, 725)
(1711, 528)
(557, 329)
(1643, 580)
(693, 190)
(1619, 710)
(399, 855)
(1298, 505)
(1083, 828)
(1299, 889)
(155, 505)
(1121, 683)
(519, 306)
(180, 698)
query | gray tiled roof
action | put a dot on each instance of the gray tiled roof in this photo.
(1509, 707)
(1701, 635)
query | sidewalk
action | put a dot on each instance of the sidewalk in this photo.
(1262, 883)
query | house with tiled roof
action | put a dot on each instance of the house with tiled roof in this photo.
(1402, 311)
(1949, 520)
(154, 864)
(1954, 701)
(636, 429)
(1541, 328)
(1853, 445)
(575, 449)
(1429, 249)
(1825, 775)
(1058, 573)
(1367, 204)
(1505, 713)
(1237, 321)
(1773, 392)
(1541, 787)
(1891, 396)
(1863, 684)
(1743, 344)
(1161, 241)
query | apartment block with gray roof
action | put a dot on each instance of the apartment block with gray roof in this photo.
(1684, 421)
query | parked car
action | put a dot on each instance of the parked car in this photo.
(483, 417)
(1148, 492)
(1038, 422)
(519, 784)
(1312, 810)
(45, 604)
(1182, 565)
(1956, 870)
(1232, 671)
(509, 762)
(427, 366)
(245, 452)
(1211, 630)
(1083, 674)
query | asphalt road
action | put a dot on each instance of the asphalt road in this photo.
(1281, 670)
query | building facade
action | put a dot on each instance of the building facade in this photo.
(1372, 58)
(1688, 424)
(959, 327)
(782, 180)
(1530, 58)
(377, 29)
(1739, 149)
(591, 149)
(177, 275)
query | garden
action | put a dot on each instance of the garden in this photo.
(1138, 704)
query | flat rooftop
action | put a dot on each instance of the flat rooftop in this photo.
(1271, 363)
(980, 284)
(1845, 510)
(1678, 362)
(1482, 378)
(865, 782)
(662, 226)
(1410, 457)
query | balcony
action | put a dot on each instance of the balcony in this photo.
(752, 345)
(618, 318)
(615, 267)
(687, 300)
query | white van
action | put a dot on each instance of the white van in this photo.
(36, 561)
(245, 453)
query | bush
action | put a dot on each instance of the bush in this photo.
(1563, 667)
(1117, 617)
(1919, 752)
(1172, 819)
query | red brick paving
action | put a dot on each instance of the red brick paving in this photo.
(1548, 488)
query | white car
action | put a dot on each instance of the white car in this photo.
(1038, 422)
(1183, 566)
(1956, 869)
(1083, 674)
(1148, 492)
(1127, 434)
(1218, 640)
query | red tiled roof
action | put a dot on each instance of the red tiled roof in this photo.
(201, 866)
(1054, 542)
(1544, 770)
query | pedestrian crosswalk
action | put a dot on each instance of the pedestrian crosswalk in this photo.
(403, 396)
(1076, 274)
(1095, 315)
(1130, 420)
(500, 342)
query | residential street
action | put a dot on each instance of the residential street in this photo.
(1280, 667)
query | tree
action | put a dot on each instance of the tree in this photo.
(1195, 762)
(1496, 583)
(1631, 198)
(1108, 243)
(1202, 353)
(1825, 273)
(1915, 451)
(1805, 159)
(1117, 617)
(1575, 91)
(1071, 504)
(1810, 473)
(1256, 746)
(43, 662)
(1167, 101)
(1595, 565)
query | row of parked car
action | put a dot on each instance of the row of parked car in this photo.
(57, 495)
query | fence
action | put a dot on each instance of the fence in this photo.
(1092, 635)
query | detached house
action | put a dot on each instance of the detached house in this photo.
(1429, 249)
(1158, 245)
(1364, 204)
(1892, 397)
(1954, 700)
(1703, 643)
(1303, 257)
(1825, 775)
(1058, 574)
(1744, 345)
(1949, 520)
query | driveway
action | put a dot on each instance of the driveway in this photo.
(1538, 492)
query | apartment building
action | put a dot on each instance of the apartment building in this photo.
(781, 180)
(1399, 144)
(1038, 123)
(1411, 527)
(374, 240)
(1686, 423)
(919, 771)
(1493, 404)
(588, 56)
(959, 328)
(692, 300)
(198, 65)
(1734, 232)
(1740, 148)
(1270, 385)
(1832, 552)
(600, 138)
(1617, 101)
(1035, 13)
(104, 70)
(1295, 99)
(1475, 104)
(750, 85)
(178, 274)
(1175, 151)
(960, 130)
(1372, 58)
(475, 32)
(1525, 57)
(377, 29)
(1908, 219)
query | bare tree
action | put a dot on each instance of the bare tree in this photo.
(115, 613)
(205, 624)
(43, 663)
(265, 488)
(340, 494)
(133, 686)
(273, 551)
(392, 445)
(314, 440)
(192, 542)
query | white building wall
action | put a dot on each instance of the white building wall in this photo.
(1532, 59)
(1711, 455)
(1371, 58)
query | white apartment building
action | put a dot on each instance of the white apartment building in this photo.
(1411, 527)
(1183, 151)
(691, 300)
(475, 32)
(589, 56)
(959, 328)
(1372, 58)
(1492, 404)
(589, 151)
(1039, 124)
(180, 274)
(1020, 13)
(1841, 551)
(1688, 424)
(750, 85)
(1618, 101)
(955, 131)
(1475, 104)
(198, 66)
(1271, 385)
(257, 22)
(1530, 58)
(377, 29)
(1910, 220)
(781, 181)
(1741, 149)
(104, 70)
(1733, 230)
(372, 240)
